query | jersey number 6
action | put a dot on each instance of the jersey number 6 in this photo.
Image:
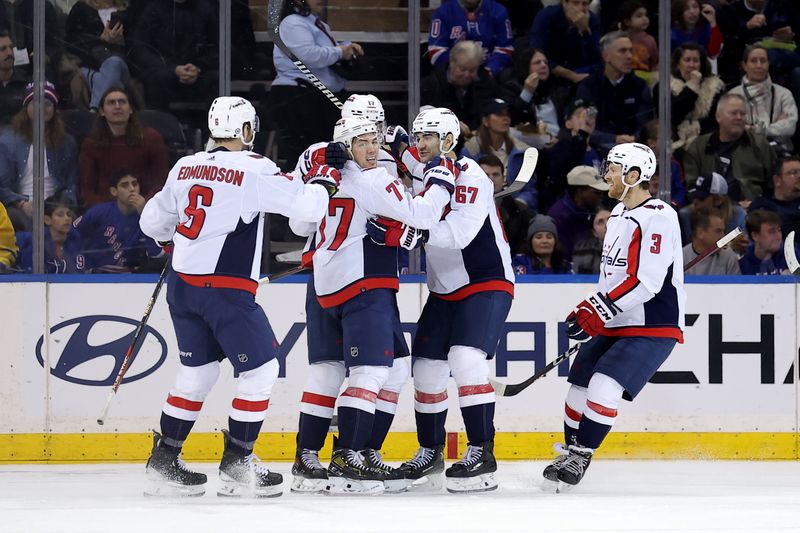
(199, 195)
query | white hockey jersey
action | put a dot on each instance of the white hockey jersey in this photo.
(315, 155)
(641, 270)
(346, 261)
(212, 207)
(467, 251)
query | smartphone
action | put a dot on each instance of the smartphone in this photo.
(116, 18)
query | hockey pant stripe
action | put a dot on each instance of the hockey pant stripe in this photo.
(571, 417)
(358, 398)
(181, 408)
(425, 402)
(248, 411)
(317, 405)
(470, 395)
(387, 401)
(600, 413)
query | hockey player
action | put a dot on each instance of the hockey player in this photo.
(356, 281)
(211, 207)
(471, 286)
(634, 319)
(326, 365)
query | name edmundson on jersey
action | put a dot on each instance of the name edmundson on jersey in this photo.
(211, 173)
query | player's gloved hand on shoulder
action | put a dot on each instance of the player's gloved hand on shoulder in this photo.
(388, 232)
(336, 155)
(443, 172)
(166, 246)
(395, 137)
(325, 176)
(590, 316)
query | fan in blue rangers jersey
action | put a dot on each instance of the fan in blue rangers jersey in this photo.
(112, 240)
(484, 21)
(326, 362)
(471, 285)
(356, 281)
(212, 207)
(634, 319)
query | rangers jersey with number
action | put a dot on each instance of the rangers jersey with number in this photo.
(467, 251)
(641, 270)
(212, 207)
(346, 261)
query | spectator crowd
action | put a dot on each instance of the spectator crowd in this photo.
(569, 77)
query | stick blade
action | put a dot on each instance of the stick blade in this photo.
(499, 388)
(790, 253)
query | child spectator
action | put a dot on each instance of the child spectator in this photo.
(764, 256)
(687, 25)
(16, 158)
(633, 19)
(707, 228)
(119, 140)
(544, 256)
(62, 242)
(112, 240)
(588, 251)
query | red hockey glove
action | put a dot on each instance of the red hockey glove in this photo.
(590, 316)
(388, 232)
(326, 176)
(167, 246)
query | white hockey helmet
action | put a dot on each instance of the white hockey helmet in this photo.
(439, 120)
(227, 117)
(348, 128)
(632, 156)
(364, 105)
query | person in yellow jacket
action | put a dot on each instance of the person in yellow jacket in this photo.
(8, 241)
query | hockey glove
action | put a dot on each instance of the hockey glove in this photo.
(336, 155)
(166, 246)
(388, 232)
(395, 137)
(443, 172)
(590, 316)
(325, 176)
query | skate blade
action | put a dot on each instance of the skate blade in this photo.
(462, 485)
(395, 486)
(555, 486)
(168, 489)
(304, 485)
(232, 489)
(338, 486)
(430, 483)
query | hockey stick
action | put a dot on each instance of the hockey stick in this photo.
(280, 275)
(720, 244)
(136, 343)
(273, 22)
(790, 253)
(529, 162)
(506, 389)
(295, 256)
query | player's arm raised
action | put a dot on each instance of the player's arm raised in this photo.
(288, 195)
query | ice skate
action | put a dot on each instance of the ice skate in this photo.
(348, 474)
(424, 471)
(242, 477)
(394, 479)
(573, 467)
(550, 474)
(475, 471)
(309, 474)
(168, 476)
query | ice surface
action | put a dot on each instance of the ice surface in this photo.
(615, 496)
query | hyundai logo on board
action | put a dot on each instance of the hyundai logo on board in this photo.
(83, 348)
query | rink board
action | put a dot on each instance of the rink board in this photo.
(729, 392)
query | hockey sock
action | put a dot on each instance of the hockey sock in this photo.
(573, 412)
(479, 422)
(174, 432)
(243, 435)
(380, 428)
(570, 435)
(591, 433)
(602, 398)
(430, 428)
(312, 431)
(355, 427)
(249, 406)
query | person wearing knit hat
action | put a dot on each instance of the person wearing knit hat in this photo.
(16, 169)
(545, 255)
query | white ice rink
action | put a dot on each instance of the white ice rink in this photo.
(616, 496)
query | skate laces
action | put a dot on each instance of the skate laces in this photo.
(253, 463)
(310, 459)
(356, 460)
(377, 460)
(471, 456)
(423, 457)
(575, 463)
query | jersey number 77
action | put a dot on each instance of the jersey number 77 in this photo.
(336, 205)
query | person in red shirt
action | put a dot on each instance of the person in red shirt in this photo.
(117, 141)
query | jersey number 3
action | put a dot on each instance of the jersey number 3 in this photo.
(656, 247)
(199, 197)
